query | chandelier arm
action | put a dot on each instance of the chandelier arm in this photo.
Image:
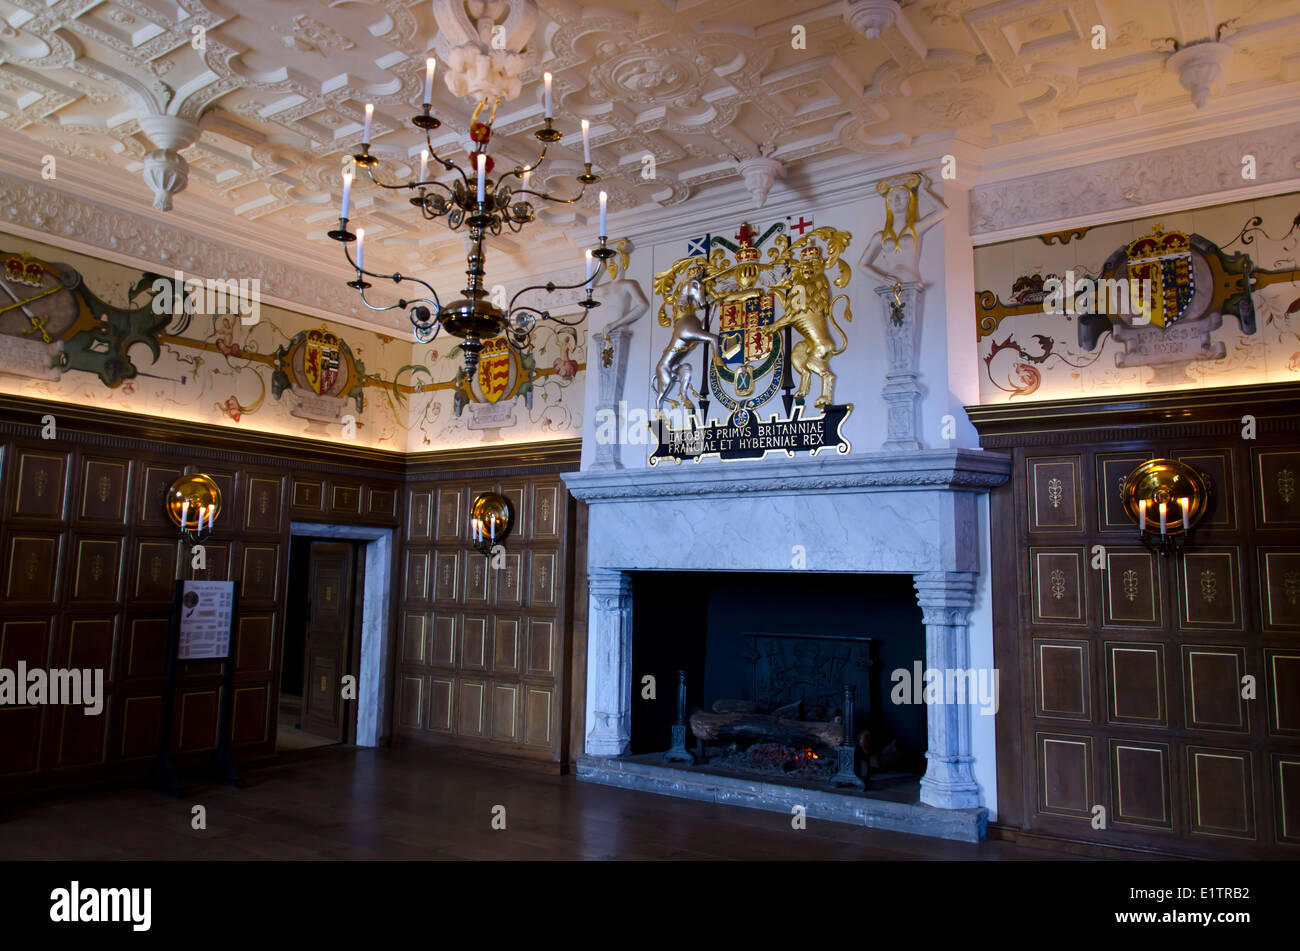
(447, 164)
(559, 201)
(566, 323)
(396, 278)
(551, 287)
(518, 172)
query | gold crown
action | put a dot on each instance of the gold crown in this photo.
(810, 251)
(1159, 243)
(746, 254)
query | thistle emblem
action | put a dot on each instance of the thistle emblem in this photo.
(1058, 584)
(1286, 485)
(1054, 492)
(1209, 586)
(1130, 581)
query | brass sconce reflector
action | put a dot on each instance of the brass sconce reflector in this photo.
(194, 502)
(1165, 497)
(490, 518)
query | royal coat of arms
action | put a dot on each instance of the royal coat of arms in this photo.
(1164, 259)
(748, 355)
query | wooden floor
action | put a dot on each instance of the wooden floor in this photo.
(409, 804)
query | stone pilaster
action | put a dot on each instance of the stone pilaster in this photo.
(609, 662)
(611, 367)
(946, 598)
(902, 392)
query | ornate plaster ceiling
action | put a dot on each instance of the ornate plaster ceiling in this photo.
(698, 85)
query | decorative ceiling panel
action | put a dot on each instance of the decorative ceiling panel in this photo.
(277, 89)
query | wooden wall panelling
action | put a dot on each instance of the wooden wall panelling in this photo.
(1132, 663)
(494, 676)
(88, 558)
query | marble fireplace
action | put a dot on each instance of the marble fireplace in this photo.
(921, 513)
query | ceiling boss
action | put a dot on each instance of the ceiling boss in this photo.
(485, 47)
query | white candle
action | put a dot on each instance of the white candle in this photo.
(212, 517)
(429, 64)
(1184, 510)
(347, 190)
(528, 179)
(361, 238)
(202, 511)
(1163, 507)
(1142, 514)
(587, 254)
(603, 201)
(586, 141)
(424, 165)
(370, 112)
(546, 78)
(482, 182)
(185, 513)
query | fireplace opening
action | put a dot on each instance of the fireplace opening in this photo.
(769, 664)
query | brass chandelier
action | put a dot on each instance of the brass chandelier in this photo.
(485, 205)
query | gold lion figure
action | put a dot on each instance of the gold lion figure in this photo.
(808, 307)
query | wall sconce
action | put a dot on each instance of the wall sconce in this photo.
(1165, 498)
(194, 502)
(490, 518)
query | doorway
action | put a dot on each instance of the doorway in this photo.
(322, 643)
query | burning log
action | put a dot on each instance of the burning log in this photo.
(758, 726)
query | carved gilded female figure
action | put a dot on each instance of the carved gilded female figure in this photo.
(897, 246)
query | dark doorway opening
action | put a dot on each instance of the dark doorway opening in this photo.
(322, 643)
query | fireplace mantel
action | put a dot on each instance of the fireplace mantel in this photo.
(924, 469)
(903, 512)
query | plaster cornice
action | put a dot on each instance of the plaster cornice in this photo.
(1172, 178)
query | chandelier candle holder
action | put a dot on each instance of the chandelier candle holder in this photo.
(485, 205)
(1166, 498)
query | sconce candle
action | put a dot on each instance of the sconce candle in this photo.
(587, 254)
(370, 111)
(490, 515)
(528, 178)
(194, 492)
(429, 65)
(347, 191)
(586, 141)
(424, 165)
(482, 171)
(1163, 483)
(361, 239)
(604, 200)
(546, 79)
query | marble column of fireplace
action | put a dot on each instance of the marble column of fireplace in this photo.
(898, 512)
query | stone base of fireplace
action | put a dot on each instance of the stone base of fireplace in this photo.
(861, 809)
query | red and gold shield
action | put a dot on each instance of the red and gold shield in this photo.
(321, 361)
(494, 369)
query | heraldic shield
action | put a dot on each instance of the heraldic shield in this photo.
(496, 370)
(750, 359)
(1164, 259)
(321, 361)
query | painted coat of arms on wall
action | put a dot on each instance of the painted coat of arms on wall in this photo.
(318, 368)
(503, 373)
